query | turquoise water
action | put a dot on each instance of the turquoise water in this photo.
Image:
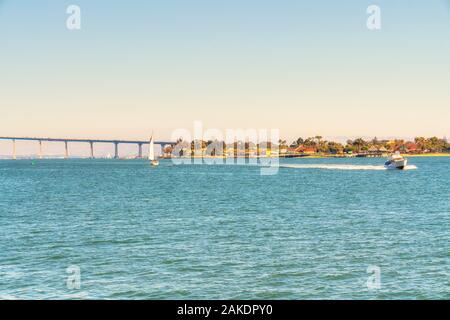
(220, 232)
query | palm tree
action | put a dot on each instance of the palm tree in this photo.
(310, 142)
(335, 147)
(318, 138)
(360, 144)
(282, 143)
(375, 141)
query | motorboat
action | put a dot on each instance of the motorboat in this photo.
(396, 161)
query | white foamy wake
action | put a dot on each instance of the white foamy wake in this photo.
(339, 167)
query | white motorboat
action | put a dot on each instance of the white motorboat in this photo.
(396, 161)
(151, 154)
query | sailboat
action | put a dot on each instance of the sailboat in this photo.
(151, 154)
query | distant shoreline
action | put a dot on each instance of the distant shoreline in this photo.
(406, 155)
(428, 155)
(312, 156)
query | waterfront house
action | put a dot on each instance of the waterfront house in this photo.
(411, 147)
(305, 150)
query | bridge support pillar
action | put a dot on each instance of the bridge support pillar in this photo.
(14, 150)
(140, 151)
(92, 149)
(40, 149)
(116, 150)
(66, 147)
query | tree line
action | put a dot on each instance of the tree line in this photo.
(359, 145)
(318, 144)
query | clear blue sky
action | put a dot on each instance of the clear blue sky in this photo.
(305, 67)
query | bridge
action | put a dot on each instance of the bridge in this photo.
(91, 142)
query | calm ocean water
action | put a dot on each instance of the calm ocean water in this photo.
(220, 232)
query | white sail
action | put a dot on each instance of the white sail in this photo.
(151, 150)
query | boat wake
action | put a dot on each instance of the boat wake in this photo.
(340, 167)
